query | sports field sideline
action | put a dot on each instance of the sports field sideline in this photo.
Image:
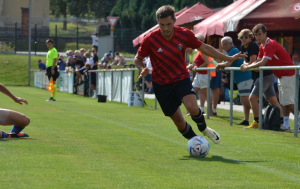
(76, 142)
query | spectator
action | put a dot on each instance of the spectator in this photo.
(105, 59)
(251, 49)
(62, 63)
(79, 64)
(192, 53)
(148, 78)
(42, 65)
(242, 79)
(89, 59)
(83, 71)
(82, 51)
(296, 60)
(272, 53)
(119, 60)
(216, 90)
(95, 40)
(93, 76)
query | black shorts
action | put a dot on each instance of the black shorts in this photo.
(170, 96)
(56, 73)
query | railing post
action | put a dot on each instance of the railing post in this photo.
(296, 103)
(35, 34)
(260, 98)
(208, 94)
(231, 96)
(16, 37)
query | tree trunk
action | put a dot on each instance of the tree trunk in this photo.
(65, 16)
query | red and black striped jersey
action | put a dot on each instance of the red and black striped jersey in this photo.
(168, 57)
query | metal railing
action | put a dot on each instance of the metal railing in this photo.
(232, 69)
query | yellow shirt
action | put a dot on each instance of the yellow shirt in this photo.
(51, 55)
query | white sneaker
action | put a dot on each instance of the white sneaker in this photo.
(213, 135)
(94, 96)
(282, 128)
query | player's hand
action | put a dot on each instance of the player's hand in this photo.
(238, 56)
(144, 72)
(52, 72)
(20, 100)
(244, 67)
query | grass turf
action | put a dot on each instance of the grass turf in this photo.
(76, 142)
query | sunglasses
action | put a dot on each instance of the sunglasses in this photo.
(242, 37)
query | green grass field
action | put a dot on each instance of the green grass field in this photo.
(77, 142)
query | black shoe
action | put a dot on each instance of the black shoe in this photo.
(244, 123)
(214, 113)
(76, 84)
(12, 135)
(51, 99)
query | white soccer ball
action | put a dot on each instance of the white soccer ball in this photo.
(198, 146)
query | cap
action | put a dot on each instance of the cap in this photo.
(67, 52)
(110, 51)
(74, 56)
(39, 60)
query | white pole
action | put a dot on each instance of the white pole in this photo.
(29, 44)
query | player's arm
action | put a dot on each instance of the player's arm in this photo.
(212, 52)
(5, 91)
(138, 62)
(256, 64)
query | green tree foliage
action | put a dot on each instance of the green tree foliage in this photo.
(58, 8)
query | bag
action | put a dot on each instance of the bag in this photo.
(271, 118)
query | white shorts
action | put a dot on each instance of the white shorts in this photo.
(244, 87)
(286, 90)
(200, 81)
(4, 116)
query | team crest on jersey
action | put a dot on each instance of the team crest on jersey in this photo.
(179, 47)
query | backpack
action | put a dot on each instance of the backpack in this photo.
(271, 118)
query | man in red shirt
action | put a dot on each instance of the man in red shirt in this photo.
(272, 53)
(166, 48)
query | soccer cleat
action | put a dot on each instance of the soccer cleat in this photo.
(254, 125)
(244, 123)
(23, 135)
(12, 135)
(213, 135)
(51, 99)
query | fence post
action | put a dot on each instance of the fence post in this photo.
(56, 45)
(77, 39)
(35, 34)
(16, 36)
(231, 96)
(260, 98)
(296, 103)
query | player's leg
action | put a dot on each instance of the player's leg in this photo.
(17, 119)
(55, 76)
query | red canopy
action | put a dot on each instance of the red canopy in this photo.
(276, 15)
(226, 19)
(197, 12)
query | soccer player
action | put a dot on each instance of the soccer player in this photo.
(272, 53)
(10, 117)
(51, 66)
(171, 83)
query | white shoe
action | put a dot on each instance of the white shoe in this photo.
(94, 96)
(282, 128)
(213, 135)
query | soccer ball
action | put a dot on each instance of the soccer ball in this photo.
(198, 146)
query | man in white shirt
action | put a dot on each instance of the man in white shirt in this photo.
(95, 40)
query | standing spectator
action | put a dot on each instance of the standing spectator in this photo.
(272, 53)
(242, 79)
(251, 49)
(93, 76)
(216, 90)
(166, 47)
(42, 65)
(95, 40)
(148, 78)
(83, 58)
(119, 60)
(89, 59)
(79, 64)
(62, 63)
(52, 71)
(105, 59)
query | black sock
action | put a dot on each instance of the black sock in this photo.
(199, 119)
(256, 119)
(188, 132)
(281, 120)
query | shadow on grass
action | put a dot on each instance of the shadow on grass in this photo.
(217, 158)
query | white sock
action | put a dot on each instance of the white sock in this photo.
(214, 110)
(94, 91)
(202, 109)
(286, 120)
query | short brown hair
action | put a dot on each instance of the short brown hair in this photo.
(49, 41)
(165, 11)
(259, 27)
(246, 32)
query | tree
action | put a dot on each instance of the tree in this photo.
(59, 7)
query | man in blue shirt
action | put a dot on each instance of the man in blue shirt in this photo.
(242, 79)
(42, 65)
